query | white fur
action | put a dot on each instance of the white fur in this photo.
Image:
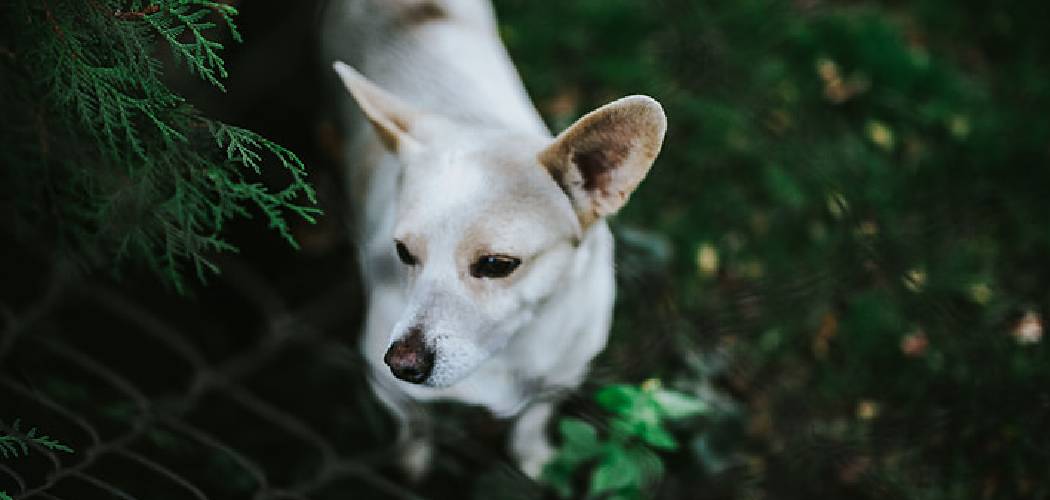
(466, 177)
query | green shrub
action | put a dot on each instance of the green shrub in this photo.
(623, 461)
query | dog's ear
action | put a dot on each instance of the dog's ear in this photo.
(601, 158)
(391, 117)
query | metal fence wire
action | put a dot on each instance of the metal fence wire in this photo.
(238, 392)
(251, 387)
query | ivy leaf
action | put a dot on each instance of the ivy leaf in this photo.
(675, 405)
(579, 444)
(646, 412)
(618, 398)
(581, 440)
(616, 471)
(576, 432)
(656, 436)
(621, 429)
(650, 467)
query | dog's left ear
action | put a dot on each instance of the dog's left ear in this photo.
(391, 117)
(601, 158)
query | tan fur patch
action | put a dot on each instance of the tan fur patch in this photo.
(423, 12)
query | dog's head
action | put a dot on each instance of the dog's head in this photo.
(489, 222)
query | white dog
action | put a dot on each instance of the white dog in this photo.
(485, 253)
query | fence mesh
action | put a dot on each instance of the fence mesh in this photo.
(235, 393)
(251, 387)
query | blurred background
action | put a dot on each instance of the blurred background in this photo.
(841, 254)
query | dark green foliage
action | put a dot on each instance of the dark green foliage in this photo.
(17, 444)
(624, 463)
(102, 162)
(853, 196)
(856, 195)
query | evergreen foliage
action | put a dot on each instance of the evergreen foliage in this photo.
(17, 444)
(103, 162)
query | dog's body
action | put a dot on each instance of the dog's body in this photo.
(505, 287)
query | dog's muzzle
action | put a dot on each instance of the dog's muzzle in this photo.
(409, 359)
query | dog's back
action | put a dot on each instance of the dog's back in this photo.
(444, 56)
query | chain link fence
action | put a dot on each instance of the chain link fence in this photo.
(234, 393)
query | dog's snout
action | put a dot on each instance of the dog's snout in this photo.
(409, 359)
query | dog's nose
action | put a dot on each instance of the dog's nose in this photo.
(409, 359)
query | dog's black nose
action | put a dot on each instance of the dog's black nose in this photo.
(409, 359)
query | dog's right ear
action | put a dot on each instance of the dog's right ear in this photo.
(390, 116)
(600, 159)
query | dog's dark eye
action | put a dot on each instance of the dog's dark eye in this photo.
(404, 255)
(494, 266)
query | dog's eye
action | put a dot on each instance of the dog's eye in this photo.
(402, 253)
(494, 266)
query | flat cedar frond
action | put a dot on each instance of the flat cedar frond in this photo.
(201, 55)
(242, 148)
(17, 443)
(132, 171)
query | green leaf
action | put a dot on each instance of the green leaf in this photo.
(577, 432)
(5, 496)
(646, 411)
(580, 444)
(675, 405)
(618, 398)
(624, 496)
(650, 466)
(621, 429)
(581, 440)
(616, 471)
(656, 436)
